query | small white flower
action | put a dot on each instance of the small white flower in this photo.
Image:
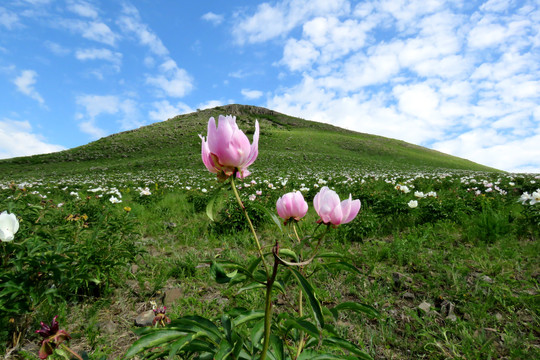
(535, 197)
(252, 197)
(412, 204)
(113, 199)
(144, 192)
(9, 225)
(419, 194)
(258, 192)
(204, 190)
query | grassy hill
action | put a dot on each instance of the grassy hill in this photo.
(284, 140)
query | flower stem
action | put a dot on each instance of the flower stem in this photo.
(259, 249)
(300, 305)
(71, 351)
(268, 306)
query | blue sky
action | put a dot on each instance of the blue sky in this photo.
(458, 76)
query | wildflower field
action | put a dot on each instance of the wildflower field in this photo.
(162, 263)
(97, 250)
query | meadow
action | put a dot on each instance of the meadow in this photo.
(447, 259)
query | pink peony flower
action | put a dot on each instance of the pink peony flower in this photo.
(331, 210)
(292, 206)
(226, 150)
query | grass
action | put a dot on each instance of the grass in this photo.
(175, 144)
(470, 252)
(487, 274)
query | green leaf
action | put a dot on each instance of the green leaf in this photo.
(210, 206)
(356, 307)
(223, 351)
(346, 345)
(276, 344)
(310, 295)
(313, 355)
(343, 265)
(330, 254)
(248, 316)
(270, 214)
(253, 264)
(180, 344)
(305, 326)
(289, 252)
(227, 326)
(251, 286)
(219, 274)
(199, 323)
(257, 333)
(152, 340)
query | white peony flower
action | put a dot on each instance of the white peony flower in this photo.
(9, 225)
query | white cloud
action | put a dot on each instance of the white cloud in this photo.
(56, 48)
(251, 94)
(215, 19)
(95, 106)
(90, 128)
(427, 72)
(99, 54)
(496, 5)
(211, 104)
(8, 19)
(82, 8)
(25, 84)
(299, 54)
(165, 110)
(271, 21)
(98, 104)
(17, 139)
(130, 22)
(486, 35)
(92, 30)
(495, 149)
(172, 80)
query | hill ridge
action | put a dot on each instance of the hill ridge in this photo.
(175, 143)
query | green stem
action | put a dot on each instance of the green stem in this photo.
(300, 305)
(71, 351)
(259, 249)
(301, 334)
(268, 306)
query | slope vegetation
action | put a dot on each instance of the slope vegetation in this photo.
(286, 142)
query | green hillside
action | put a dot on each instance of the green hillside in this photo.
(284, 140)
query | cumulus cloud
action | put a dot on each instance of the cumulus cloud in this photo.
(8, 19)
(96, 106)
(271, 21)
(251, 94)
(56, 48)
(431, 73)
(130, 23)
(25, 84)
(172, 80)
(215, 19)
(92, 30)
(82, 8)
(164, 110)
(18, 139)
(99, 54)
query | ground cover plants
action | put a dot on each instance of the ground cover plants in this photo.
(440, 264)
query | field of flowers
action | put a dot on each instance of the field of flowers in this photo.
(450, 260)
(149, 264)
